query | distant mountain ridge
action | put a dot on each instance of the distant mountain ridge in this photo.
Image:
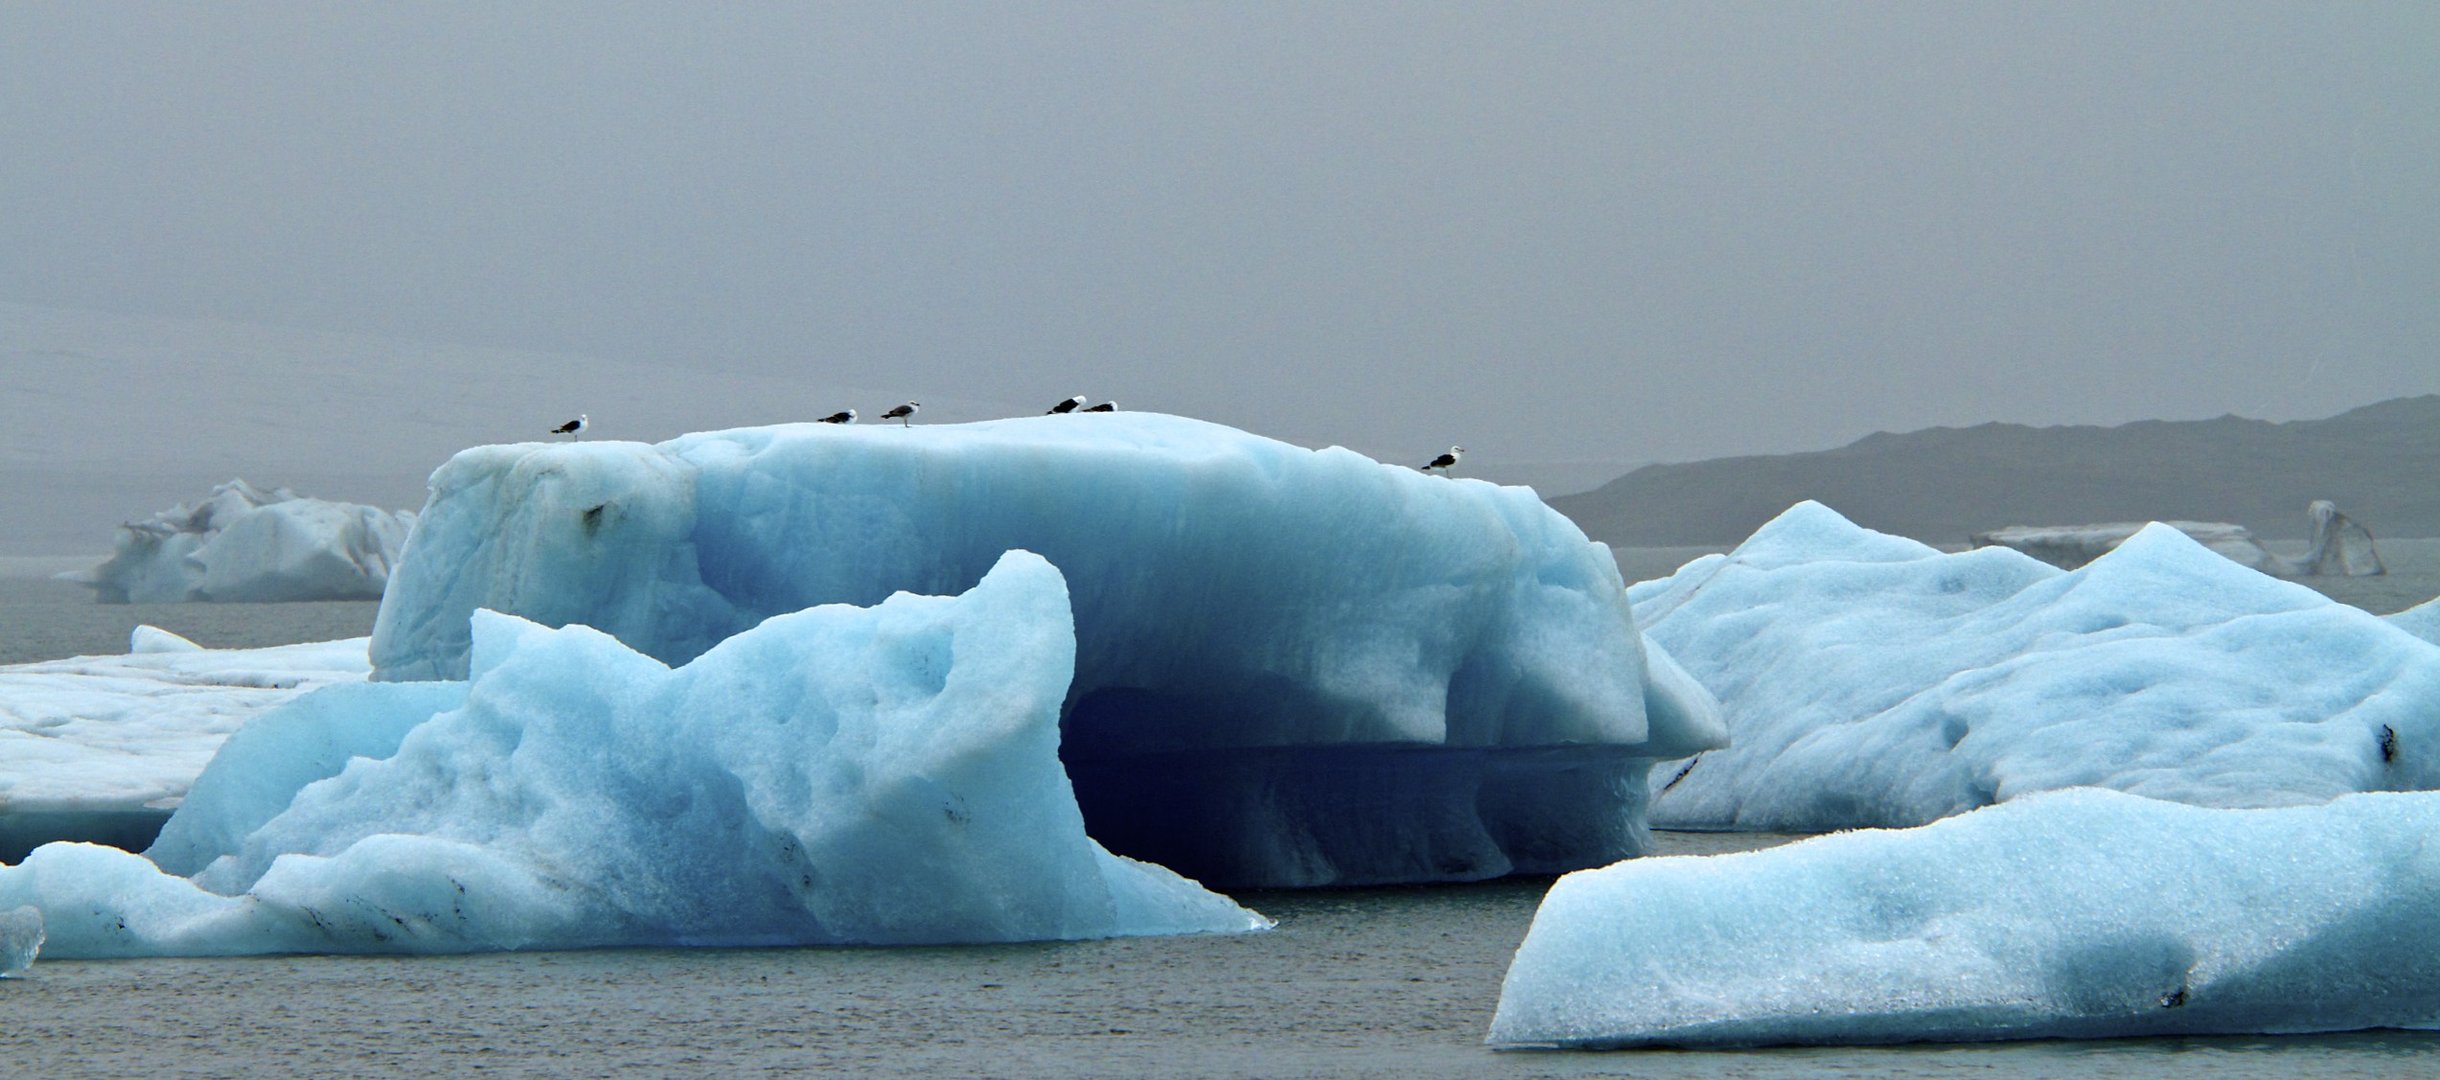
(2379, 463)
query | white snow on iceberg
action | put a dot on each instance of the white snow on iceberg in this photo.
(1869, 680)
(102, 748)
(248, 545)
(838, 775)
(1293, 667)
(2076, 914)
(2421, 620)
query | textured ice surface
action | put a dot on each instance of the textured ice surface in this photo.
(1870, 680)
(838, 775)
(2422, 620)
(2079, 914)
(249, 545)
(1293, 666)
(103, 747)
(20, 938)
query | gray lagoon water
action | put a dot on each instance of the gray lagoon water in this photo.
(1364, 982)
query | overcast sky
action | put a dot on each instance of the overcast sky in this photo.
(1549, 231)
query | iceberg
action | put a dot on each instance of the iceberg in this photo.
(884, 775)
(1869, 680)
(2339, 547)
(248, 545)
(102, 748)
(1293, 667)
(2075, 914)
(20, 939)
(2421, 620)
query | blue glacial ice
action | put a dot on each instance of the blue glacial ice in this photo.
(884, 775)
(1869, 680)
(245, 544)
(2076, 914)
(1269, 638)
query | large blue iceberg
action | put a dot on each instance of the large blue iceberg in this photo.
(838, 775)
(1293, 667)
(2075, 914)
(1869, 680)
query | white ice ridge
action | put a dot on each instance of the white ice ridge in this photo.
(1294, 667)
(2339, 546)
(103, 747)
(1869, 680)
(2422, 620)
(245, 544)
(885, 775)
(2075, 914)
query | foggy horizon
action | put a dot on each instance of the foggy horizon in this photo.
(1551, 233)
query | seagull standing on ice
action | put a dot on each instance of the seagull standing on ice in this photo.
(1107, 406)
(574, 429)
(901, 413)
(1447, 461)
(1068, 406)
(844, 417)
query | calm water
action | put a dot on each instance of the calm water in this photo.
(1353, 982)
(1363, 982)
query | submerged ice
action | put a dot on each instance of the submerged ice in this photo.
(1292, 667)
(245, 544)
(2077, 914)
(1869, 680)
(837, 775)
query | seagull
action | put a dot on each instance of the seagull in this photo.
(1447, 461)
(1068, 406)
(574, 429)
(901, 413)
(847, 417)
(1107, 406)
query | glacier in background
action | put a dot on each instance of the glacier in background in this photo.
(247, 545)
(883, 775)
(1869, 680)
(1293, 667)
(2070, 914)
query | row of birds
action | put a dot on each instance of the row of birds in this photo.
(575, 429)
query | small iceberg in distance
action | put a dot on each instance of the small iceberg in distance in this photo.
(839, 775)
(20, 939)
(248, 545)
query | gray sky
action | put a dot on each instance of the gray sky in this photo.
(1550, 231)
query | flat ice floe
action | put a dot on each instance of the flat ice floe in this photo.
(1294, 667)
(838, 775)
(2075, 914)
(1869, 680)
(103, 747)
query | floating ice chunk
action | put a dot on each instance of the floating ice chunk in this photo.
(102, 747)
(837, 775)
(20, 938)
(2077, 914)
(247, 544)
(1293, 667)
(1870, 680)
(153, 639)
